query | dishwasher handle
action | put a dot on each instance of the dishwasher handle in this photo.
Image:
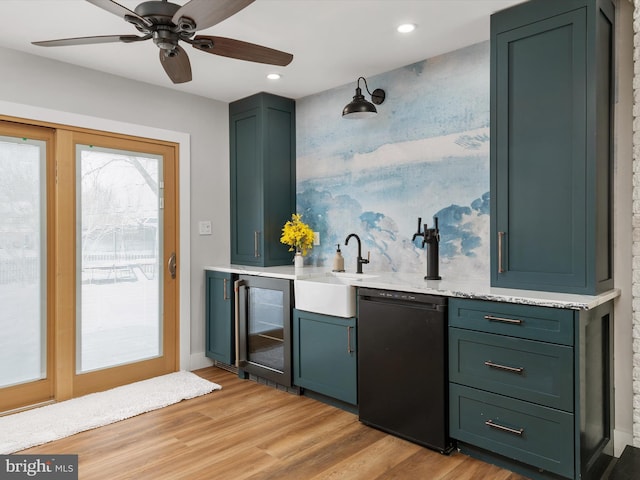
(432, 307)
(435, 302)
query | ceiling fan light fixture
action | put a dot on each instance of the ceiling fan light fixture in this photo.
(360, 107)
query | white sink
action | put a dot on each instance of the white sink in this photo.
(330, 294)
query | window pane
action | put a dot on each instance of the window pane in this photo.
(22, 261)
(119, 259)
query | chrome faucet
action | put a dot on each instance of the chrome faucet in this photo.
(360, 259)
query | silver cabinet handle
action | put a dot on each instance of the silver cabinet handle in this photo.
(497, 426)
(236, 289)
(500, 258)
(490, 364)
(515, 321)
(349, 340)
(171, 265)
(224, 289)
(256, 244)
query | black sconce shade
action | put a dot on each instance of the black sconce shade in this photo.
(359, 107)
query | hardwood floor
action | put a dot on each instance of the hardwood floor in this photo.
(248, 431)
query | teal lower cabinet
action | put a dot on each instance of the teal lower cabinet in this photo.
(530, 387)
(324, 355)
(531, 433)
(219, 314)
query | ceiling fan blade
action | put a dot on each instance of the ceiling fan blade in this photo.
(177, 66)
(206, 13)
(228, 47)
(119, 10)
(65, 42)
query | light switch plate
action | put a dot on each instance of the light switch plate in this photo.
(204, 227)
(316, 238)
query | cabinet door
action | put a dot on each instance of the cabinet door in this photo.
(220, 334)
(538, 155)
(262, 168)
(246, 188)
(279, 178)
(324, 353)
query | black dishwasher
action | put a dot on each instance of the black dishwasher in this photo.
(402, 365)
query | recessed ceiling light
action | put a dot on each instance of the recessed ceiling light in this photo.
(406, 27)
(274, 76)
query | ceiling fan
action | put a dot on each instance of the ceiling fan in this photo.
(167, 24)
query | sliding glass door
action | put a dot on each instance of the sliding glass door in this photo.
(88, 266)
(25, 331)
(119, 240)
(125, 288)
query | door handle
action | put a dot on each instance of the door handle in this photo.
(500, 254)
(171, 265)
(349, 340)
(236, 288)
(256, 244)
(224, 289)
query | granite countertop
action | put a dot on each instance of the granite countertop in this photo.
(477, 289)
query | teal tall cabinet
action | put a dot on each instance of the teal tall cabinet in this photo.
(262, 172)
(219, 315)
(551, 146)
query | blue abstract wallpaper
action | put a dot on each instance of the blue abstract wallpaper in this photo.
(425, 154)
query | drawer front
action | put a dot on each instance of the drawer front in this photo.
(533, 371)
(538, 436)
(547, 324)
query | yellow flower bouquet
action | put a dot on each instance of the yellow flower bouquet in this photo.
(297, 234)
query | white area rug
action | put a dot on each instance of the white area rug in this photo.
(52, 422)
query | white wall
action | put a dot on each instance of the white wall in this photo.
(622, 351)
(73, 92)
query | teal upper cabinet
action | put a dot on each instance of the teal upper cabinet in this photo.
(263, 178)
(551, 146)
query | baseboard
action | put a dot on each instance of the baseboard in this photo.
(620, 440)
(199, 360)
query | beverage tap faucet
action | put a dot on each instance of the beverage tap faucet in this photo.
(360, 259)
(431, 238)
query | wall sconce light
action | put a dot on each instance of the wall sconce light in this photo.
(361, 108)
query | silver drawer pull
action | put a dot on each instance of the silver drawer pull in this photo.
(515, 321)
(497, 426)
(519, 370)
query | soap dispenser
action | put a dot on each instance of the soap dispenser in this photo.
(338, 260)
